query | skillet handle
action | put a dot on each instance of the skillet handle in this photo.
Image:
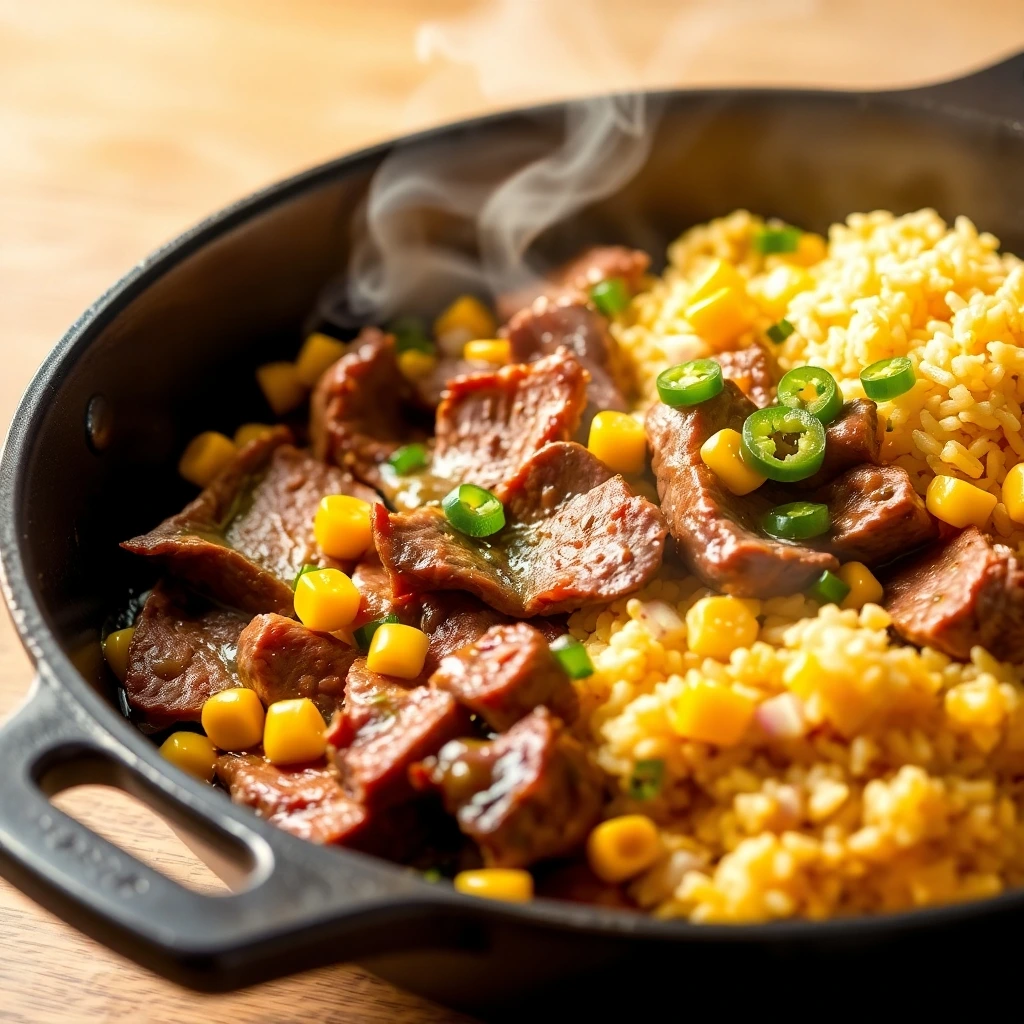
(995, 92)
(305, 906)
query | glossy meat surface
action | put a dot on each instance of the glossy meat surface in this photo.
(753, 370)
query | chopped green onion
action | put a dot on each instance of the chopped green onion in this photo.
(799, 520)
(781, 331)
(364, 634)
(813, 389)
(473, 510)
(410, 333)
(431, 875)
(828, 588)
(408, 458)
(645, 782)
(888, 378)
(611, 296)
(783, 444)
(784, 239)
(573, 657)
(308, 567)
(690, 383)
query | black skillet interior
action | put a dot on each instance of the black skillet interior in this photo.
(170, 351)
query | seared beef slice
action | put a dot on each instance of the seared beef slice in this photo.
(851, 439)
(574, 535)
(523, 797)
(753, 370)
(182, 652)
(963, 593)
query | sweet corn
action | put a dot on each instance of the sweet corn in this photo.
(719, 318)
(491, 350)
(191, 752)
(415, 364)
(206, 455)
(716, 626)
(293, 732)
(958, 503)
(810, 249)
(711, 713)
(720, 274)
(281, 386)
(622, 847)
(397, 650)
(342, 526)
(618, 441)
(233, 719)
(723, 455)
(510, 884)
(318, 352)
(326, 600)
(249, 432)
(864, 588)
(468, 318)
(115, 650)
(774, 291)
(1013, 493)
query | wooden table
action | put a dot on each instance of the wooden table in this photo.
(123, 121)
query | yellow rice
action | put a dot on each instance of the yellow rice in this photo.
(905, 793)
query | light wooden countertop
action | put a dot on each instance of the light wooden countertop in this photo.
(124, 121)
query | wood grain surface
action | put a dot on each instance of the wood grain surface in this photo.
(124, 121)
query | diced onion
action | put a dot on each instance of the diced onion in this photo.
(782, 717)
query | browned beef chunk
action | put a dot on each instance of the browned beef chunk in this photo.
(528, 795)
(505, 674)
(717, 533)
(490, 423)
(574, 535)
(280, 659)
(244, 539)
(376, 597)
(430, 388)
(753, 370)
(876, 515)
(580, 274)
(570, 323)
(851, 439)
(183, 650)
(967, 592)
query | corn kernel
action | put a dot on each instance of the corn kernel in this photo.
(293, 732)
(281, 386)
(810, 249)
(864, 588)
(1013, 493)
(249, 432)
(233, 719)
(723, 455)
(774, 291)
(397, 650)
(618, 441)
(206, 455)
(318, 352)
(720, 318)
(512, 885)
(468, 318)
(115, 650)
(342, 526)
(716, 626)
(711, 712)
(720, 274)
(622, 847)
(191, 752)
(958, 503)
(414, 364)
(326, 600)
(492, 350)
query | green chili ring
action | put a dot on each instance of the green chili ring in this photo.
(799, 520)
(828, 402)
(760, 446)
(888, 378)
(473, 510)
(690, 383)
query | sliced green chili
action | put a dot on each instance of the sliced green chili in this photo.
(408, 458)
(799, 520)
(828, 588)
(888, 378)
(813, 389)
(573, 657)
(781, 331)
(473, 510)
(410, 333)
(308, 567)
(771, 240)
(364, 634)
(611, 296)
(690, 383)
(645, 782)
(783, 444)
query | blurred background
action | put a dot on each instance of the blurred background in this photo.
(124, 121)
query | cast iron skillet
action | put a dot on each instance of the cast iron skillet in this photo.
(169, 350)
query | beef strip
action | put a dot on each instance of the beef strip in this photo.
(182, 652)
(244, 539)
(578, 275)
(376, 598)
(716, 532)
(505, 674)
(525, 796)
(967, 592)
(574, 535)
(281, 659)
(851, 439)
(753, 370)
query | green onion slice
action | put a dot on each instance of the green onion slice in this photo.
(611, 296)
(645, 782)
(573, 657)
(408, 458)
(784, 239)
(781, 331)
(410, 333)
(308, 567)
(888, 378)
(473, 510)
(690, 383)
(828, 588)
(783, 444)
(813, 389)
(799, 520)
(364, 634)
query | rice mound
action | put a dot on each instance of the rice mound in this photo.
(907, 788)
